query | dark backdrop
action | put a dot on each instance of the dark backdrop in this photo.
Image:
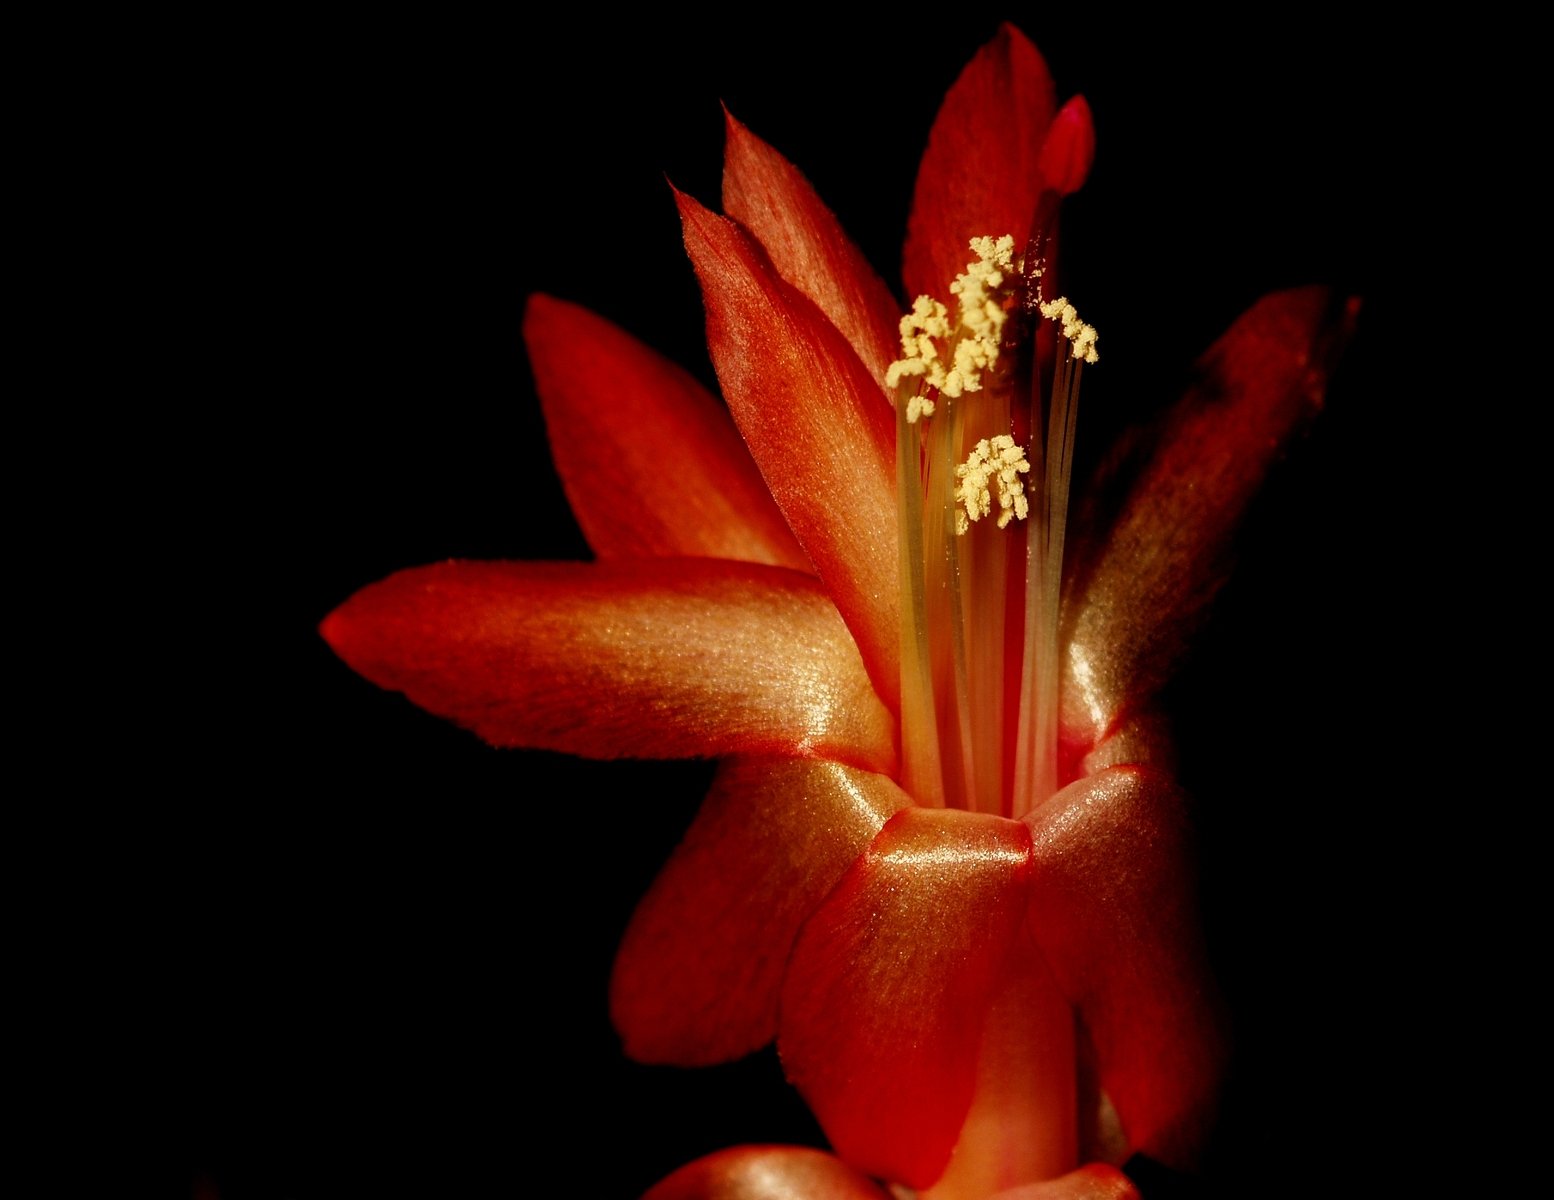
(396, 941)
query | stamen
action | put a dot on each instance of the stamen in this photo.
(921, 329)
(961, 586)
(1081, 336)
(1000, 460)
(975, 339)
(1036, 754)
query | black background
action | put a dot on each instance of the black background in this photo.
(394, 942)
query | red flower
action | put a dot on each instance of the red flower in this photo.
(885, 876)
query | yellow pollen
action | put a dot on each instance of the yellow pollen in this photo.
(973, 344)
(1081, 336)
(999, 461)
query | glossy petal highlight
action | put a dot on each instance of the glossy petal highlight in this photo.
(885, 1000)
(770, 1173)
(981, 174)
(1114, 910)
(815, 423)
(1147, 588)
(650, 460)
(698, 973)
(648, 658)
(770, 197)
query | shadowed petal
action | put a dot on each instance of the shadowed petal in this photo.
(885, 999)
(648, 658)
(1113, 907)
(1095, 1182)
(813, 419)
(1134, 607)
(769, 196)
(651, 462)
(697, 976)
(981, 174)
(770, 1173)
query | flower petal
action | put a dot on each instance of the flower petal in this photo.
(698, 973)
(649, 458)
(813, 419)
(1140, 600)
(981, 174)
(1113, 908)
(770, 197)
(653, 658)
(771, 1173)
(1069, 150)
(884, 1002)
(1094, 1182)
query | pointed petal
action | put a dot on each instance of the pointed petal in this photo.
(885, 999)
(1094, 1182)
(769, 196)
(650, 459)
(814, 422)
(653, 658)
(981, 174)
(1113, 908)
(697, 975)
(770, 1173)
(1138, 603)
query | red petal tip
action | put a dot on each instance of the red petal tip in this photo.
(1070, 147)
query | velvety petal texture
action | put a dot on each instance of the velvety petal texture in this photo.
(815, 422)
(884, 1003)
(982, 172)
(1148, 583)
(650, 460)
(773, 1173)
(1113, 908)
(699, 971)
(770, 197)
(651, 658)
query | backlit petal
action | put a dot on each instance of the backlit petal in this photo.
(1138, 602)
(1113, 907)
(981, 174)
(813, 419)
(769, 196)
(648, 658)
(697, 976)
(884, 1002)
(771, 1173)
(651, 462)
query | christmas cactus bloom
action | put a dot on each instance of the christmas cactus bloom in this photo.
(944, 862)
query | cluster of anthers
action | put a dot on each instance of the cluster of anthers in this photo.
(941, 359)
(974, 375)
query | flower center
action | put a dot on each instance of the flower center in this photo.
(979, 637)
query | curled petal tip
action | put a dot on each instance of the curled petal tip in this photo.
(1070, 147)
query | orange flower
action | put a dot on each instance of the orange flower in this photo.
(945, 820)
